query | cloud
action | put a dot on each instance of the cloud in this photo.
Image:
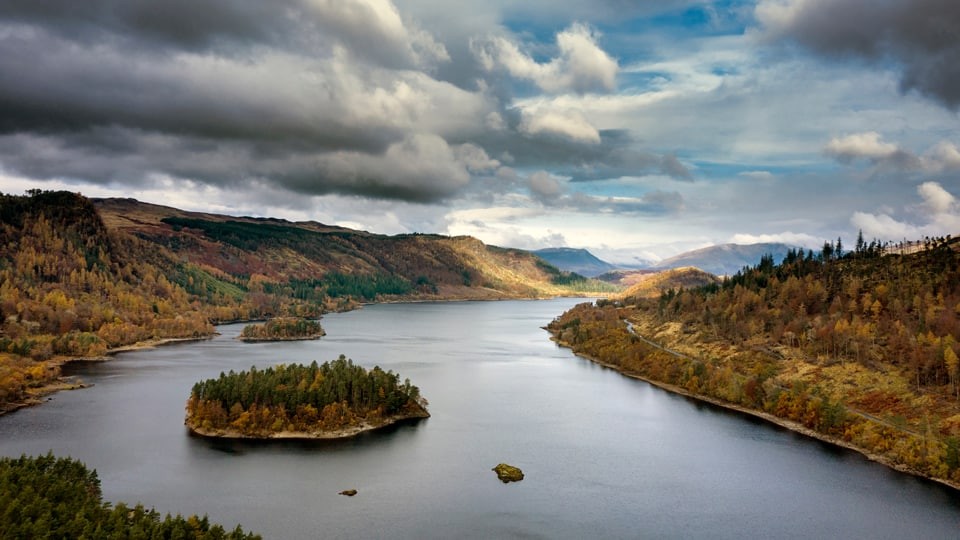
(760, 176)
(786, 237)
(370, 29)
(581, 65)
(938, 214)
(936, 199)
(671, 166)
(475, 159)
(134, 90)
(544, 187)
(569, 124)
(919, 37)
(860, 145)
(374, 28)
(944, 156)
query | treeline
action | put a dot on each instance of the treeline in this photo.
(746, 378)
(282, 328)
(754, 378)
(50, 497)
(861, 306)
(367, 288)
(299, 398)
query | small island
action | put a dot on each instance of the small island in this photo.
(508, 473)
(332, 400)
(282, 329)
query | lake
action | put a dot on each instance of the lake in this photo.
(604, 455)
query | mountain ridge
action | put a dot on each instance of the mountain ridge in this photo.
(726, 259)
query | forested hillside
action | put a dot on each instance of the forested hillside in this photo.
(859, 346)
(79, 278)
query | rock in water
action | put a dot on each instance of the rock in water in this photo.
(349, 492)
(508, 473)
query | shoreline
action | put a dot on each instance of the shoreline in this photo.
(763, 415)
(37, 394)
(311, 337)
(342, 433)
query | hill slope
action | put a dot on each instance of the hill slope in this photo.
(726, 259)
(655, 284)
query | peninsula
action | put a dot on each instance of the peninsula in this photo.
(332, 400)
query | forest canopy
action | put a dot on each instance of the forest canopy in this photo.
(51, 497)
(310, 400)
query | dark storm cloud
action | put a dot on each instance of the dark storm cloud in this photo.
(620, 156)
(921, 36)
(615, 156)
(316, 96)
(653, 203)
(310, 96)
(189, 24)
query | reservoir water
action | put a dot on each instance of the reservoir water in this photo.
(605, 456)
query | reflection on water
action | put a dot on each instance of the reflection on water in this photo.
(604, 455)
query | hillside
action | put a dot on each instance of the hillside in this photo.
(861, 350)
(247, 251)
(725, 259)
(81, 277)
(652, 285)
(580, 261)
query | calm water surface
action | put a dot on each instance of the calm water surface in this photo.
(604, 456)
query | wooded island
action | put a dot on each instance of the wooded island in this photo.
(331, 400)
(283, 329)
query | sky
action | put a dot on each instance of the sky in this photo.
(637, 129)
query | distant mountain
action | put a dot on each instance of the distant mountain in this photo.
(580, 261)
(726, 259)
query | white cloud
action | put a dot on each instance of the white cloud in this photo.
(884, 227)
(937, 215)
(788, 237)
(936, 199)
(760, 176)
(375, 29)
(570, 124)
(860, 145)
(581, 65)
(944, 156)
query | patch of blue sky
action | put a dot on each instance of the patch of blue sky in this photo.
(706, 170)
(702, 19)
